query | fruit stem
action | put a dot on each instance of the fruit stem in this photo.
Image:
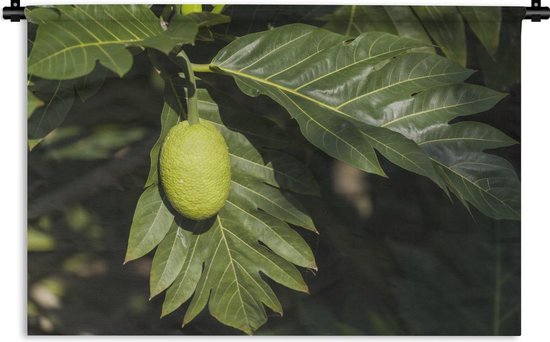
(192, 98)
(201, 67)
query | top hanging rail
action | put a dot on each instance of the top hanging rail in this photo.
(15, 12)
(535, 13)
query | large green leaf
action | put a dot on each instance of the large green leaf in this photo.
(374, 92)
(446, 27)
(70, 39)
(486, 181)
(322, 94)
(57, 98)
(399, 20)
(250, 236)
(485, 22)
(229, 248)
(443, 24)
(268, 165)
(231, 281)
(328, 96)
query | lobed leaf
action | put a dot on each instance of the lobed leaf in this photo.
(71, 39)
(219, 262)
(374, 92)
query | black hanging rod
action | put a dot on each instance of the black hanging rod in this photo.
(535, 13)
(15, 12)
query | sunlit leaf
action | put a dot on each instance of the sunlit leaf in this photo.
(250, 235)
(327, 98)
(354, 92)
(70, 39)
(231, 282)
(308, 90)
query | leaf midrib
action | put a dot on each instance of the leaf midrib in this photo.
(476, 186)
(423, 112)
(234, 271)
(157, 215)
(267, 199)
(268, 226)
(84, 45)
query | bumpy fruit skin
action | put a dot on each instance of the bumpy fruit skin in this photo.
(195, 169)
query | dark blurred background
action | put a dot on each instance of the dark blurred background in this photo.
(395, 256)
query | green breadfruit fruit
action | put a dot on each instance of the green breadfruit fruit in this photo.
(195, 170)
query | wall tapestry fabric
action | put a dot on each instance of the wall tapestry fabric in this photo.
(356, 168)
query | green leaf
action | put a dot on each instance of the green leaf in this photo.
(317, 94)
(485, 22)
(399, 20)
(57, 98)
(250, 235)
(257, 195)
(188, 9)
(231, 281)
(270, 166)
(486, 181)
(467, 134)
(402, 151)
(208, 19)
(205, 20)
(443, 24)
(273, 167)
(446, 26)
(169, 259)
(371, 85)
(275, 233)
(88, 85)
(222, 112)
(33, 103)
(190, 273)
(152, 221)
(181, 30)
(69, 44)
(173, 109)
(168, 119)
(329, 101)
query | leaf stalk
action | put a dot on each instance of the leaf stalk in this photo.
(192, 98)
(201, 67)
